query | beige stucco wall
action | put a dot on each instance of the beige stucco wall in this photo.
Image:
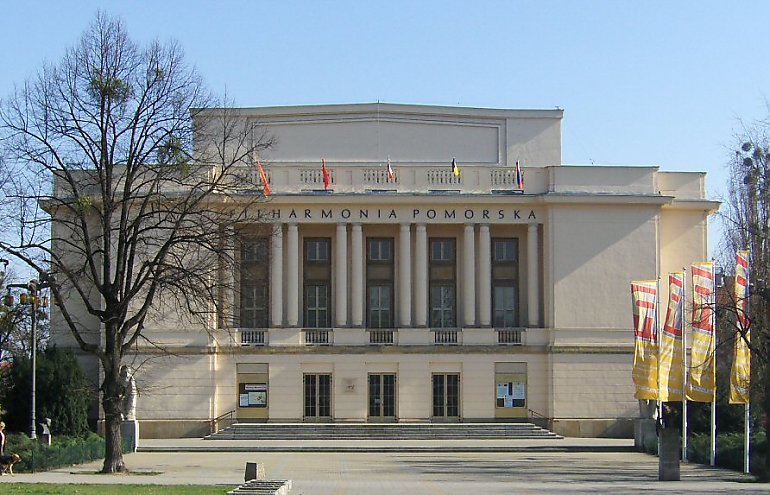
(593, 254)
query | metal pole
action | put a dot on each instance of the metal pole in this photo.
(714, 364)
(746, 436)
(33, 429)
(684, 365)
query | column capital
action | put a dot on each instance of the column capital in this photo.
(420, 227)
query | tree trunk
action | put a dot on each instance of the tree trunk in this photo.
(111, 400)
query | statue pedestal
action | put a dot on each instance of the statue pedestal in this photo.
(645, 436)
(129, 432)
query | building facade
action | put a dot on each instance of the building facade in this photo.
(428, 296)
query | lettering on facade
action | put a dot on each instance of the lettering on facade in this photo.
(402, 214)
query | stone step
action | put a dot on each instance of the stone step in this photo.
(336, 431)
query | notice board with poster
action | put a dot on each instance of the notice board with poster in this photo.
(252, 395)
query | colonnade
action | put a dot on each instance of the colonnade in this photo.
(412, 274)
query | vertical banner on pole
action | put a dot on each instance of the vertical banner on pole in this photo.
(701, 380)
(671, 376)
(644, 298)
(740, 376)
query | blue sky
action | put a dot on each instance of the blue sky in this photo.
(650, 83)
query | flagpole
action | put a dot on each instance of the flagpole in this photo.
(657, 342)
(713, 456)
(747, 436)
(684, 364)
(747, 405)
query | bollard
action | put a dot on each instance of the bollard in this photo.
(668, 455)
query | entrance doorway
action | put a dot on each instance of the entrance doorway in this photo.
(446, 396)
(317, 396)
(382, 397)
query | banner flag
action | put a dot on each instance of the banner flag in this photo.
(455, 168)
(519, 177)
(701, 384)
(263, 178)
(325, 173)
(740, 376)
(671, 343)
(644, 298)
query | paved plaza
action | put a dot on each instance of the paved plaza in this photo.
(531, 470)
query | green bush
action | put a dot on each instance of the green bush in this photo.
(729, 450)
(64, 451)
(62, 393)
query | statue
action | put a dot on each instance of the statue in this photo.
(130, 394)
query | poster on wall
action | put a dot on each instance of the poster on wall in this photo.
(252, 395)
(511, 394)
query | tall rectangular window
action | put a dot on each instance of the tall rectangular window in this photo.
(505, 282)
(379, 283)
(442, 291)
(254, 282)
(317, 283)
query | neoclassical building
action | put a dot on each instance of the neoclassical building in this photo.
(430, 296)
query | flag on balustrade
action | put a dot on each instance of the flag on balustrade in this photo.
(701, 383)
(671, 370)
(740, 377)
(263, 178)
(325, 173)
(644, 299)
(391, 174)
(519, 177)
(455, 168)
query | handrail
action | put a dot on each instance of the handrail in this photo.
(534, 414)
(215, 421)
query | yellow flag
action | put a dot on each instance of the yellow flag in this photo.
(671, 344)
(702, 379)
(740, 377)
(644, 298)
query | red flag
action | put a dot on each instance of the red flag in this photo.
(519, 177)
(263, 177)
(391, 174)
(327, 181)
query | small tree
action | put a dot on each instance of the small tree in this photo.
(120, 216)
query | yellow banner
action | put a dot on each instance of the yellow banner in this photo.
(671, 350)
(644, 298)
(702, 379)
(740, 377)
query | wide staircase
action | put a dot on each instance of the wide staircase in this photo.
(379, 431)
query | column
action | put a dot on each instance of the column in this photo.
(341, 276)
(421, 277)
(405, 276)
(357, 257)
(533, 277)
(485, 277)
(469, 277)
(276, 276)
(292, 276)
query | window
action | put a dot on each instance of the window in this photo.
(379, 283)
(317, 284)
(442, 289)
(254, 283)
(505, 282)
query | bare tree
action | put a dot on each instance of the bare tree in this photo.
(746, 217)
(120, 215)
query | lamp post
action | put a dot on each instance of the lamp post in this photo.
(33, 299)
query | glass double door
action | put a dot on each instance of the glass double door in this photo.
(317, 396)
(382, 397)
(446, 396)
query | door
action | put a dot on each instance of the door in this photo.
(382, 397)
(317, 396)
(446, 396)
